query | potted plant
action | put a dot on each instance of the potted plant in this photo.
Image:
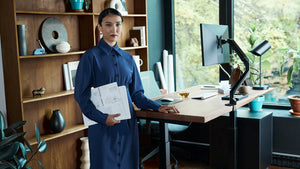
(254, 75)
(14, 147)
(291, 61)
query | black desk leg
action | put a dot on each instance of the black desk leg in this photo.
(233, 133)
(164, 147)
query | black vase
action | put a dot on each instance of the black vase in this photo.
(57, 122)
(22, 40)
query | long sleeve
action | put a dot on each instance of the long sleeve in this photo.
(83, 84)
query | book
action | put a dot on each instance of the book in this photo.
(142, 34)
(72, 67)
(66, 77)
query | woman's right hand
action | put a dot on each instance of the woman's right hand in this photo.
(110, 121)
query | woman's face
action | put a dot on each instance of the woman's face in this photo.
(111, 29)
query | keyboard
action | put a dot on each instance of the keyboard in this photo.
(236, 96)
(205, 95)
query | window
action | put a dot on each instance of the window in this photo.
(188, 16)
(278, 22)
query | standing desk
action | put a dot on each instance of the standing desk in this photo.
(192, 110)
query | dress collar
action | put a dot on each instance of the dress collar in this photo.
(107, 48)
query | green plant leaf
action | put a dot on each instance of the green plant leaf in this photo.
(17, 162)
(2, 121)
(250, 56)
(9, 131)
(42, 146)
(281, 69)
(37, 134)
(265, 65)
(22, 162)
(296, 64)
(9, 151)
(289, 76)
(28, 146)
(2, 136)
(23, 150)
(4, 166)
(252, 27)
(39, 163)
(17, 125)
(11, 166)
(12, 128)
(11, 139)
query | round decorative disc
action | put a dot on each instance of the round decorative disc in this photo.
(53, 31)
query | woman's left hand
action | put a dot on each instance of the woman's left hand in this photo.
(168, 109)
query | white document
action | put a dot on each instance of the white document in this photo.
(110, 99)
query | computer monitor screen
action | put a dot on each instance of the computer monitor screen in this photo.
(213, 50)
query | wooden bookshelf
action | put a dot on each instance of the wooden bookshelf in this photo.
(22, 74)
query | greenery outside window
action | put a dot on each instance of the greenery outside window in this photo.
(188, 16)
(277, 21)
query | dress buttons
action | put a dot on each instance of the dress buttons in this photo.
(114, 55)
(119, 165)
(119, 154)
(116, 64)
(119, 142)
(117, 75)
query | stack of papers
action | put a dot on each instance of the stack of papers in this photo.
(109, 99)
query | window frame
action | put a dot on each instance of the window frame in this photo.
(226, 17)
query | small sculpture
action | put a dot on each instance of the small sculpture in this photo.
(63, 47)
(38, 92)
(133, 42)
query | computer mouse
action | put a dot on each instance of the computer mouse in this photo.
(166, 99)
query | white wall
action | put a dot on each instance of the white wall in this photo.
(2, 91)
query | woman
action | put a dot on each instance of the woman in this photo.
(113, 143)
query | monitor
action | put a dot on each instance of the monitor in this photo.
(214, 51)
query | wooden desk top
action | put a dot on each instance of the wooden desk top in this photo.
(199, 111)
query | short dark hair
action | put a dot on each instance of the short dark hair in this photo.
(106, 12)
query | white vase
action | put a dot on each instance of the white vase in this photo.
(85, 157)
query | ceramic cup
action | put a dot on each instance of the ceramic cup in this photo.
(138, 61)
(256, 104)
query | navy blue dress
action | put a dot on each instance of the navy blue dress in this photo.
(111, 147)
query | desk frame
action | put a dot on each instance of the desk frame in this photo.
(190, 112)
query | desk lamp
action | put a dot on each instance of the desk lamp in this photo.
(259, 50)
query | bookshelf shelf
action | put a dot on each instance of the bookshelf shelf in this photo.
(47, 96)
(65, 132)
(52, 55)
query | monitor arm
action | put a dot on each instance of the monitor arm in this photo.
(233, 114)
(245, 60)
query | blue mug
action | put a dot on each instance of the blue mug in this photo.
(256, 104)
